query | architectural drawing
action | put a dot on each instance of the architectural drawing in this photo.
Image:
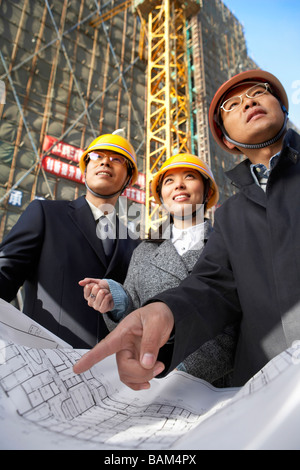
(89, 407)
(44, 405)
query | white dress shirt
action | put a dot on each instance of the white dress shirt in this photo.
(186, 239)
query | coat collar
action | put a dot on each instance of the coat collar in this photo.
(166, 258)
(242, 178)
(241, 174)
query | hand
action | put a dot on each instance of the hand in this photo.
(97, 294)
(136, 342)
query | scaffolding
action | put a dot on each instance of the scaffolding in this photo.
(66, 79)
(74, 70)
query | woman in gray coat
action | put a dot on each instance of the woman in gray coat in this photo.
(186, 188)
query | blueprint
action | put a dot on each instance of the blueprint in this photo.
(44, 405)
(17, 327)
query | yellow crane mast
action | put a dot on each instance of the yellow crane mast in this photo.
(168, 113)
(164, 23)
(168, 95)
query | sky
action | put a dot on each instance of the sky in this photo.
(272, 32)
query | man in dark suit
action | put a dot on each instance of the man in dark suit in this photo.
(55, 244)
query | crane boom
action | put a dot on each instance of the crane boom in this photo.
(168, 104)
(111, 13)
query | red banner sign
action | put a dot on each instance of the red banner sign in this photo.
(135, 194)
(63, 170)
(61, 149)
(141, 181)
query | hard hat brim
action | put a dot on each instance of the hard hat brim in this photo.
(118, 145)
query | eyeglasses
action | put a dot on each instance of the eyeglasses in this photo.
(236, 101)
(99, 157)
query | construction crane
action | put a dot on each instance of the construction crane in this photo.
(168, 95)
(169, 126)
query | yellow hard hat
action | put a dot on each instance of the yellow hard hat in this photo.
(115, 143)
(186, 160)
(255, 75)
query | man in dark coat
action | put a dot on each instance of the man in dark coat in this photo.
(249, 271)
(55, 244)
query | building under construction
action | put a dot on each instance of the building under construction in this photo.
(71, 71)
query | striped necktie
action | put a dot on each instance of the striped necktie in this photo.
(262, 174)
(105, 233)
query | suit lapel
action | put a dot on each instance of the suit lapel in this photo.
(168, 260)
(82, 217)
(120, 245)
(242, 178)
(190, 259)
